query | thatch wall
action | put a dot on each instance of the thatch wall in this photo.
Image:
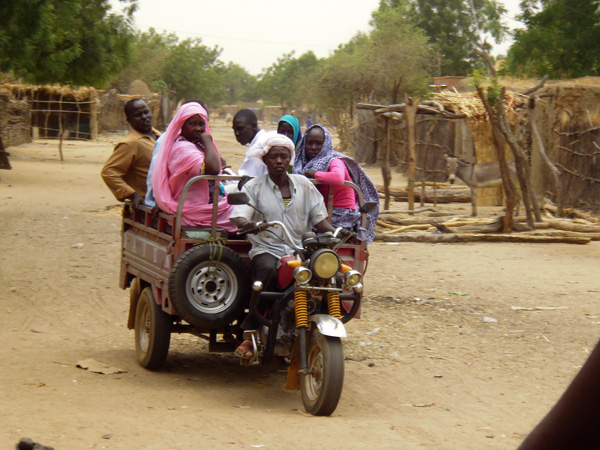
(568, 117)
(111, 116)
(56, 109)
(15, 121)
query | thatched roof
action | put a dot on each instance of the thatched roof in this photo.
(17, 90)
(469, 104)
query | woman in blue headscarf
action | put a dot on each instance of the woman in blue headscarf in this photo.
(290, 127)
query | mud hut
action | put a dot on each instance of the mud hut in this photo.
(451, 122)
(111, 115)
(55, 110)
(568, 117)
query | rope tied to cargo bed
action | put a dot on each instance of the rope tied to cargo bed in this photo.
(215, 246)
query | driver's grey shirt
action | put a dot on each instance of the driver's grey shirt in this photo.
(305, 209)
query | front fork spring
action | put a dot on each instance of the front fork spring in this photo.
(301, 308)
(333, 305)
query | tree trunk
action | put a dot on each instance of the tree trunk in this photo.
(498, 142)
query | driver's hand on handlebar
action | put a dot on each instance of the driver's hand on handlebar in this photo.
(246, 225)
(345, 232)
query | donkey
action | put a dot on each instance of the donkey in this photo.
(479, 175)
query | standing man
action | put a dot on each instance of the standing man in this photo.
(126, 169)
(245, 128)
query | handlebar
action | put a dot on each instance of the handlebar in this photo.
(261, 226)
(346, 235)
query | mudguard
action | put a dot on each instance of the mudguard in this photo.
(329, 326)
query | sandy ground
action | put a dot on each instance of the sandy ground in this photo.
(440, 358)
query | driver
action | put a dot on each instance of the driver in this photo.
(291, 199)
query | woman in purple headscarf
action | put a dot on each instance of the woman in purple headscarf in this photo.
(316, 158)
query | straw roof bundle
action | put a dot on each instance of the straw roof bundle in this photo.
(17, 90)
(469, 103)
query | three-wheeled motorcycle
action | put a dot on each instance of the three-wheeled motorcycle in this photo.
(196, 280)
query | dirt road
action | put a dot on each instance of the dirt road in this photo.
(459, 346)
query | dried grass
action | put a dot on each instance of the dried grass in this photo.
(469, 103)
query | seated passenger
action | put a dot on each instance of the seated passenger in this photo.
(316, 158)
(246, 130)
(150, 200)
(290, 126)
(187, 151)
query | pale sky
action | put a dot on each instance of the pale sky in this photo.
(254, 33)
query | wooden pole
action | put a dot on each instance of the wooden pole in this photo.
(410, 113)
(94, 115)
(60, 130)
(385, 164)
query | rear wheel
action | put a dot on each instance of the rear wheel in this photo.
(152, 332)
(321, 388)
(208, 286)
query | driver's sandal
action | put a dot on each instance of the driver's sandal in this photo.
(245, 350)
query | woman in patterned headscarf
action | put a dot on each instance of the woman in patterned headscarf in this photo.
(316, 158)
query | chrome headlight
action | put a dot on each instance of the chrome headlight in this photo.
(352, 278)
(302, 275)
(324, 263)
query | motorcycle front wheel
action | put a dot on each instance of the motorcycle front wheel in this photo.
(321, 388)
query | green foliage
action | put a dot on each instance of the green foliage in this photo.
(491, 86)
(185, 69)
(398, 52)
(452, 27)
(560, 39)
(189, 71)
(159, 86)
(283, 80)
(238, 85)
(149, 51)
(392, 60)
(75, 42)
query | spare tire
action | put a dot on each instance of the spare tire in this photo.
(208, 286)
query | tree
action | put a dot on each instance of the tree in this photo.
(194, 71)
(451, 29)
(238, 85)
(399, 54)
(341, 79)
(560, 39)
(63, 41)
(280, 81)
(391, 60)
(149, 52)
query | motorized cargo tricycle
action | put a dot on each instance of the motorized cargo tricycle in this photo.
(196, 280)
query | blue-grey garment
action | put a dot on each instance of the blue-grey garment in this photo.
(149, 200)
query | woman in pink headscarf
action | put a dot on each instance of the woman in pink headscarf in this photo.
(188, 151)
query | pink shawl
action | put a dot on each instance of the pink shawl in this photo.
(177, 162)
